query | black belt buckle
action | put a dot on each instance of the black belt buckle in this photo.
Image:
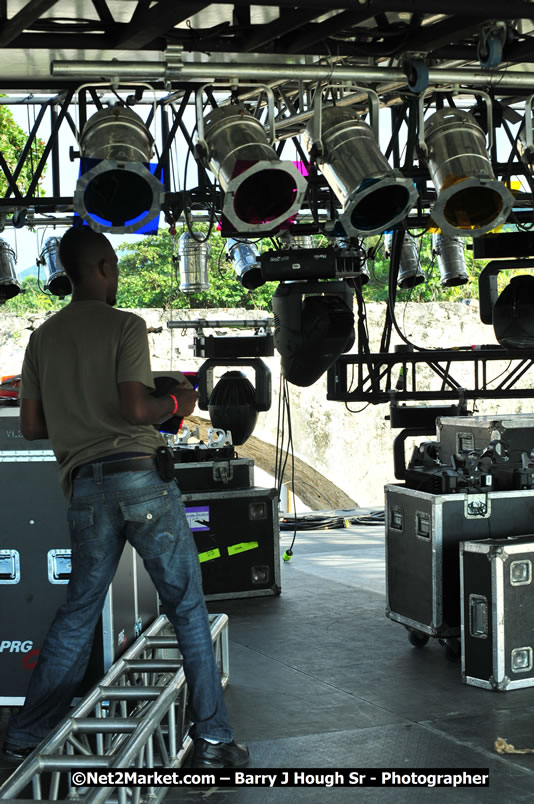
(165, 463)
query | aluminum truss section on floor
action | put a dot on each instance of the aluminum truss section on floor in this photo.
(135, 718)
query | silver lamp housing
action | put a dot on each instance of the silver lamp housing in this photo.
(194, 255)
(260, 190)
(118, 194)
(9, 283)
(470, 201)
(373, 195)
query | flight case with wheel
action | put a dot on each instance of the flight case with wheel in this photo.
(497, 588)
(423, 534)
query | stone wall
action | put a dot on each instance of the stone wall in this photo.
(352, 449)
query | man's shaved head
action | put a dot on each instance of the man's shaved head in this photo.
(81, 249)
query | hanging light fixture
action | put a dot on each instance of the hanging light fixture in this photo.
(193, 255)
(260, 190)
(116, 191)
(410, 274)
(470, 200)
(313, 326)
(245, 259)
(57, 282)
(450, 252)
(374, 196)
(9, 284)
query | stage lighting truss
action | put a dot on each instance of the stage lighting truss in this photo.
(9, 283)
(260, 190)
(471, 201)
(373, 195)
(116, 191)
(57, 282)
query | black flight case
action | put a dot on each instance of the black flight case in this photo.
(423, 534)
(497, 592)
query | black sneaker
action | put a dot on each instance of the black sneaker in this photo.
(17, 753)
(219, 755)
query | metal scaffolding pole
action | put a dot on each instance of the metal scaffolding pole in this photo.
(135, 718)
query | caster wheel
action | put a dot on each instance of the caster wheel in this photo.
(418, 639)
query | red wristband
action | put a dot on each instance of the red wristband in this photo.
(175, 409)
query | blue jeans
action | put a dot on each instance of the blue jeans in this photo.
(105, 511)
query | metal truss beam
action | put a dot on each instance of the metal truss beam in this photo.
(374, 380)
(11, 29)
(135, 718)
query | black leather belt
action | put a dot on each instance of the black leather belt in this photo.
(121, 465)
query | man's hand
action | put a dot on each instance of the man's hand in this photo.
(186, 396)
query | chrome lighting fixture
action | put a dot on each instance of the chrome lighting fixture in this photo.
(57, 281)
(374, 196)
(193, 255)
(470, 200)
(410, 274)
(116, 191)
(450, 252)
(245, 259)
(260, 190)
(9, 284)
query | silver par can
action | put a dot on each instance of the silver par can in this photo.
(194, 256)
(450, 252)
(471, 201)
(374, 196)
(9, 283)
(116, 133)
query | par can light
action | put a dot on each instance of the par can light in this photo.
(373, 195)
(470, 201)
(450, 252)
(117, 192)
(57, 282)
(194, 255)
(246, 261)
(9, 284)
(410, 274)
(260, 190)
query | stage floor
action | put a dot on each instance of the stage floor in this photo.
(320, 678)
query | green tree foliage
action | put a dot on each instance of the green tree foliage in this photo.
(12, 142)
(150, 277)
(33, 299)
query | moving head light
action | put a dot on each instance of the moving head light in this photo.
(511, 312)
(314, 325)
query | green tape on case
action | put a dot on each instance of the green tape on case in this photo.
(241, 548)
(209, 555)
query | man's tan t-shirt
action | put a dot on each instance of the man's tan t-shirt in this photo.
(73, 363)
